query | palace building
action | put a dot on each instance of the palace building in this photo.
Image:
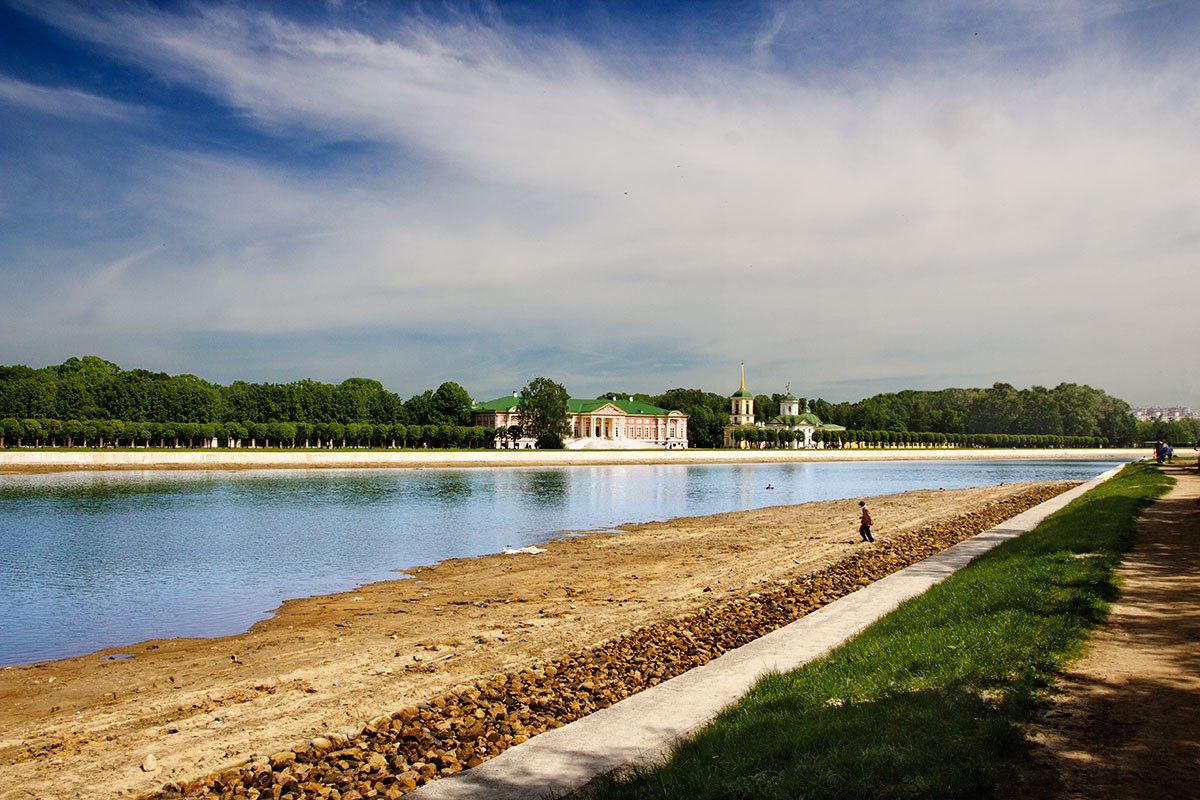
(791, 428)
(601, 424)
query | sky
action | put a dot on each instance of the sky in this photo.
(848, 197)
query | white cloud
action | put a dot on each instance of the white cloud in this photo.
(63, 102)
(982, 223)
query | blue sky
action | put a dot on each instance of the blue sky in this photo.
(851, 197)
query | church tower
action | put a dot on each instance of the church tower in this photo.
(741, 404)
(789, 406)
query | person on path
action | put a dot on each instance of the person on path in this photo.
(865, 522)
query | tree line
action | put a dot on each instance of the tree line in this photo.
(1067, 412)
(92, 402)
(773, 438)
(92, 388)
(44, 432)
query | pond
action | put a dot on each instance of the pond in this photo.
(96, 560)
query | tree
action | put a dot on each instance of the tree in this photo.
(12, 429)
(707, 414)
(765, 408)
(994, 410)
(543, 407)
(419, 408)
(354, 399)
(705, 427)
(451, 405)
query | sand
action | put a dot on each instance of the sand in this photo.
(33, 461)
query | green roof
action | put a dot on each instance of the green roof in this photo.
(628, 406)
(742, 393)
(506, 403)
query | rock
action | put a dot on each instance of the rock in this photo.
(150, 763)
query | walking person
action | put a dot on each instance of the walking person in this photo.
(865, 522)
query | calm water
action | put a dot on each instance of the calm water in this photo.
(94, 560)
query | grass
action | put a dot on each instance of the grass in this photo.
(928, 702)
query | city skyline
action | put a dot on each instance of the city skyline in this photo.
(853, 198)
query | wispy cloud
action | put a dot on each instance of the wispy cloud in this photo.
(64, 102)
(532, 193)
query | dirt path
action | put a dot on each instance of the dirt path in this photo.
(83, 727)
(1127, 724)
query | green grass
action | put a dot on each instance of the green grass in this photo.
(929, 701)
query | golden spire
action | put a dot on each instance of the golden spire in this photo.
(743, 387)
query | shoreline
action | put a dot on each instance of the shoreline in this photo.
(40, 461)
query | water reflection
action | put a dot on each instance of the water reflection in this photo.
(89, 560)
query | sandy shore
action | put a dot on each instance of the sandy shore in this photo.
(17, 461)
(83, 727)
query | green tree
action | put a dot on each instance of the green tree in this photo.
(543, 407)
(355, 399)
(766, 407)
(1040, 413)
(707, 412)
(419, 408)
(995, 410)
(11, 431)
(451, 404)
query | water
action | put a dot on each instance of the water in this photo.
(96, 560)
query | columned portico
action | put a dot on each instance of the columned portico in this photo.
(603, 423)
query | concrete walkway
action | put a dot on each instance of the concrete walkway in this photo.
(644, 726)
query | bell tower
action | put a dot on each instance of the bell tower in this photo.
(789, 406)
(741, 404)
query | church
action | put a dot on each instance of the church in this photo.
(791, 428)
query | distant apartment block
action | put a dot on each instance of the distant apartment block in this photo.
(1167, 414)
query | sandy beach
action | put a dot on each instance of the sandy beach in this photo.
(18, 461)
(85, 727)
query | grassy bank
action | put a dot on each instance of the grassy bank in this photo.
(929, 701)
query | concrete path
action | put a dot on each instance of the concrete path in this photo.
(644, 726)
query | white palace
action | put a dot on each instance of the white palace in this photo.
(601, 424)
